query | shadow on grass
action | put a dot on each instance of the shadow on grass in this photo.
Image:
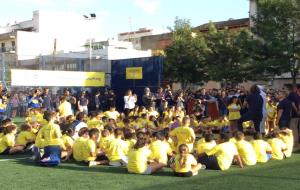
(75, 166)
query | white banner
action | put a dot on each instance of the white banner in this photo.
(56, 78)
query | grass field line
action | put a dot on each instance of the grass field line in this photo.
(12, 159)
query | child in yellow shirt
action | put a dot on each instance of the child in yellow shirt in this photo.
(130, 138)
(262, 149)
(271, 112)
(234, 113)
(278, 146)
(286, 135)
(26, 137)
(245, 150)
(68, 142)
(95, 121)
(7, 142)
(205, 144)
(160, 148)
(117, 150)
(185, 164)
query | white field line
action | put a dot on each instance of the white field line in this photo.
(4, 160)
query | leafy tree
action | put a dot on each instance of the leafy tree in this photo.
(185, 57)
(230, 56)
(276, 25)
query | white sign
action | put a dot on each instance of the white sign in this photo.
(56, 78)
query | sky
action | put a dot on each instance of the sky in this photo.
(117, 16)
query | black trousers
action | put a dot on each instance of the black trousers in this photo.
(249, 117)
(210, 162)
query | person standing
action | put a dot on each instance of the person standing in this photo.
(148, 98)
(254, 102)
(83, 103)
(264, 110)
(129, 100)
(294, 122)
(97, 100)
(284, 111)
(34, 100)
(47, 100)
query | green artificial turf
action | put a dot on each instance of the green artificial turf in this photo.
(18, 120)
(23, 174)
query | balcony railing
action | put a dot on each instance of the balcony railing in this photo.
(7, 49)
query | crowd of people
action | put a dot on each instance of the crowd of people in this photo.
(185, 130)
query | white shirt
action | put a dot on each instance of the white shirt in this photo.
(129, 102)
(77, 129)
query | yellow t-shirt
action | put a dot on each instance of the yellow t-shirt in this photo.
(67, 141)
(39, 140)
(277, 146)
(261, 147)
(187, 167)
(143, 122)
(137, 160)
(184, 135)
(160, 151)
(89, 147)
(95, 123)
(104, 142)
(38, 117)
(130, 143)
(120, 124)
(289, 141)
(225, 153)
(51, 134)
(233, 140)
(221, 123)
(203, 147)
(116, 150)
(24, 137)
(7, 141)
(246, 152)
(271, 111)
(234, 115)
(151, 125)
(78, 146)
(112, 114)
(179, 114)
(65, 109)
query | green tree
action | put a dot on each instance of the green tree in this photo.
(276, 25)
(229, 59)
(185, 57)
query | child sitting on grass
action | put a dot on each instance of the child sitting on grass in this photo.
(139, 157)
(205, 144)
(278, 146)
(286, 135)
(262, 149)
(245, 150)
(185, 164)
(221, 156)
(7, 141)
(160, 148)
(25, 138)
(117, 150)
(68, 143)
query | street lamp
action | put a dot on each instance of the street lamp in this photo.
(89, 18)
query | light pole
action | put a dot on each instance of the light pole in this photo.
(89, 18)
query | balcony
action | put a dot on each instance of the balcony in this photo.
(7, 49)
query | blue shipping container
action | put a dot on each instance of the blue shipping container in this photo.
(152, 77)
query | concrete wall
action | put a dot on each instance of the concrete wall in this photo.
(155, 42)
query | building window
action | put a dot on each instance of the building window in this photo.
(3, 47)
(71, 67)
(13, 45)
